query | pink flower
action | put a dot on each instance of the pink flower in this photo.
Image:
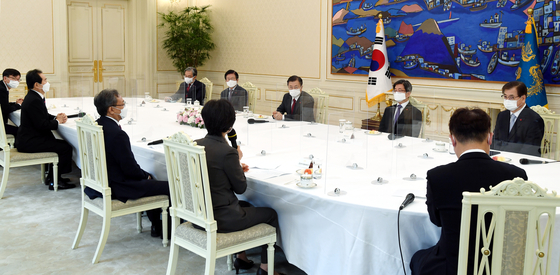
(179, 117)
(185, 119)
(197, 120)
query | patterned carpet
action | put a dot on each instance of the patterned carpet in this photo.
(38, 226)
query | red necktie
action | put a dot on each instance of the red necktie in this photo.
(293, 105)
(187, 93)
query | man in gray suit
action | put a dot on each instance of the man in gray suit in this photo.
(235, 93)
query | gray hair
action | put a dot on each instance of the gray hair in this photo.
(191, 69)
(105, 99)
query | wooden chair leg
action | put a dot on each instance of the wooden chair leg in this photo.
(229, 262)
(43, 173)
(210, 265)
(5, 175)
(173, 258)
(139, 222)
(81, 228)
(164, 226)
(55, 176)
(102, 239)
(270, 255)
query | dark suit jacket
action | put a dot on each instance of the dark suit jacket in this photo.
(445, 186)
(303, 110)
(36, 123)
(525, 136)
(126, 179)
(226, 179)
(409, 122)
(196, 91)
(7, 106)
(239, 97)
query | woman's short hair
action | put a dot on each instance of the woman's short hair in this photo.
(469, 124)
(218, 116)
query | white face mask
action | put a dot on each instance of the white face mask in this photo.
(123, 112)
(231, 83)
(295, 92)
(511, 105)
(13, 84)
(188, 80)
(399, 96)
(46, 87)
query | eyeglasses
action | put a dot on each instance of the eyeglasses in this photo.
(124, 103)
(13, 78)
(511, 97)
(399, 91)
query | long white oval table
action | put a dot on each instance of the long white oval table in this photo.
(355, 233)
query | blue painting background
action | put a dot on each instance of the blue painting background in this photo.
(466, 32)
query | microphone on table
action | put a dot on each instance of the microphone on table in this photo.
(408, 200)
(532, 161)
(392, 136)
(253, 121)
(159, 141)
(232, 136)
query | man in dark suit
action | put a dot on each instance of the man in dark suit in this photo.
(518, 129)
(126, 179)
(235, 93)
(35, 131)
(401, 119)
(10, 80)
(296, 104)
(471, 137)
(190, 88)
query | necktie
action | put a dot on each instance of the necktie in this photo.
(293, 106)
(512, 121)
(230, 92)
(187, 93)
(399, 107)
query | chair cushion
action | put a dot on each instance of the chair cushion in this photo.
(118, 205)
(187, 232)
(16, 156)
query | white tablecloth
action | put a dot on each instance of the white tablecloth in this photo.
(354, 233)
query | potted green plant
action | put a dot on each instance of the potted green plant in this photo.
(188, 42)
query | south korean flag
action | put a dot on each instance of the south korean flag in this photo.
(379, 78)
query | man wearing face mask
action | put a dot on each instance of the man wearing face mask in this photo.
(518, 129)
(10, 80)
(297, 104)
(190, 88)
(127, 180)
(235, 93)
(401, 119)
(471, 137)
(35, 132)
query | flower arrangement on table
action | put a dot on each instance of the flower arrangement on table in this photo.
(192, 117)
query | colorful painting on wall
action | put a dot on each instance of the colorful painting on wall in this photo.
(450, 39)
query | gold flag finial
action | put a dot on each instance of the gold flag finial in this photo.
(530, 12)
(380, 16)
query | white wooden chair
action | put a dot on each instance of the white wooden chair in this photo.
(519, 236)
(191, 200)
(321, 105)
(252, 90)
(209, 87)
(10, 157)
(549, 143)
(423, 108)
(94, 175)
